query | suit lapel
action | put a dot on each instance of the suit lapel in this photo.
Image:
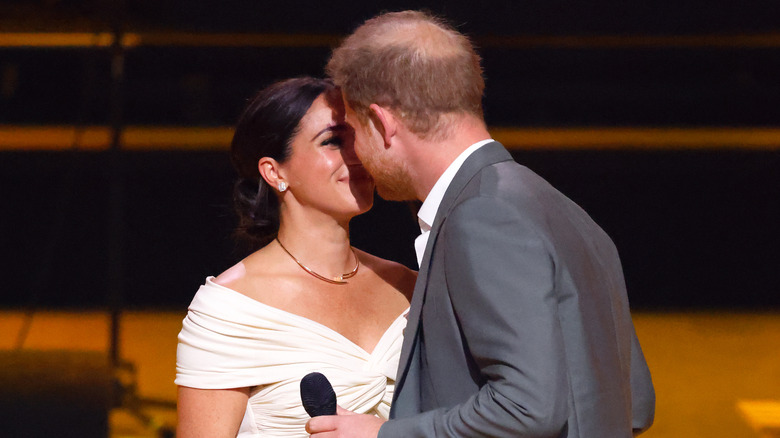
(487, 155)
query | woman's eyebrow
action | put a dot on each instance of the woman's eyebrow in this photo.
(335, 127)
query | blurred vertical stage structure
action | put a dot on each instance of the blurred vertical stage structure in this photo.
(71, 393)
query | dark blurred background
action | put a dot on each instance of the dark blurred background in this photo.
(696, 223)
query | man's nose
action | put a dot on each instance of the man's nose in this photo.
(349, 154)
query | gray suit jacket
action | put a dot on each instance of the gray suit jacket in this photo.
(520, 324)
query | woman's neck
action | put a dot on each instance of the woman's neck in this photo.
(321, 242)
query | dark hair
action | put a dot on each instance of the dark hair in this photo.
(266, 129)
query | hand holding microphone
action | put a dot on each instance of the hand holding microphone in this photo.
(317, 395)
(319, 400)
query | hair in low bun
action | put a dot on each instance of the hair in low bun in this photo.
(266, 128)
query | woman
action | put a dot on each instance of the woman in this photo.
(306, 300)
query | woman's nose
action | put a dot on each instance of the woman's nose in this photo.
(349, 154)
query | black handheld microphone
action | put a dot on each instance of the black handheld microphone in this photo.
(317, 395)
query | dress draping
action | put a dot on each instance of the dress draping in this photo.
(229, 340)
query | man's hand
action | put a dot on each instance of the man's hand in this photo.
(345, 424)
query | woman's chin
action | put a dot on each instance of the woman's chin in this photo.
(362, 205)
(363, 194)
(360, 198)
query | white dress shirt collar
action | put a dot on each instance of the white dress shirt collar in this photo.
(430, 206)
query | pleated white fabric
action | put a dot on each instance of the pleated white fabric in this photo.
(229, 340)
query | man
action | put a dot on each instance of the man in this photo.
(520, 324)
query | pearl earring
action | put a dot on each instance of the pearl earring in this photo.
(282, 186)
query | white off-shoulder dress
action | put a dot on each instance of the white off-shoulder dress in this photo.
(229, 340)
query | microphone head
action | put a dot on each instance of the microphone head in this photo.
(317, 395)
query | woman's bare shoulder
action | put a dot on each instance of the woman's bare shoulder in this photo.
(232, 275)
(395, 274)
(249, 276)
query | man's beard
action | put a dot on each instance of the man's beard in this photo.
(391, 177)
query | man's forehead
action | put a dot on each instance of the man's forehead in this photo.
(347, 106)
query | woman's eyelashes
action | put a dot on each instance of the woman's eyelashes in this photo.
(335, 141)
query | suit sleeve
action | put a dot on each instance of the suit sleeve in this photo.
(500, 277)
(642, 391)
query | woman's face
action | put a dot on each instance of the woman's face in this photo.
(323, 171)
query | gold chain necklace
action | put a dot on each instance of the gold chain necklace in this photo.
(341, 279)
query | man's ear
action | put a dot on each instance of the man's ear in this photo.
(270, 171)
(385, 121)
